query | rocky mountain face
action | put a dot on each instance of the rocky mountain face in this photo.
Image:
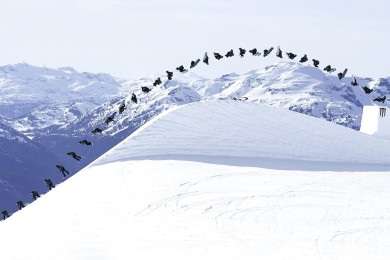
(24, 165)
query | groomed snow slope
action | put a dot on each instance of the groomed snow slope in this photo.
(218, 180)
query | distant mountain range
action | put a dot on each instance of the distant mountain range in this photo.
(45, 112)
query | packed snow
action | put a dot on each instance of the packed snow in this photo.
(218, 180)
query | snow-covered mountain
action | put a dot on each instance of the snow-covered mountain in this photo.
(33, 98)
(218, 180)
(24, 166)
(290, 85)
(59, 107)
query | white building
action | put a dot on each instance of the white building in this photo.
(376, 121)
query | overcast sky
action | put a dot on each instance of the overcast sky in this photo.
(132, 38)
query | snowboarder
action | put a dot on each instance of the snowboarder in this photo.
(316, 63)
(49, 184)
(134, 98)
(279, 53)
(157, 82)
(254, 52)
(5, 214)
(97, 130)
(74, 155)
(206, 59)
(303, 59)
(268, 52)
(20, 204)
(85, 142)
(291, 55)
(194, 63)
(169, 74)
(329, 69)
(62, 169)
(354, 82)
(35, 194)
(122, 107)
(380, 99)
(218, 56)
(181, 69)
(367, 90)
(109, 120)
(229, 54)
(145, 89)
(342, 75)
(242, 52)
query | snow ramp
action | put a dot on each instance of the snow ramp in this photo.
(238, 132)
(169, 192)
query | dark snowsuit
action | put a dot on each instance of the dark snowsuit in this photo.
(35, 194)
(49, 184)
(206, 59)
(109, 120)
(97, 130)
(242, 52)
(85, 142)
(20, 204)
(169, 76)
(74, 155)
(122, 108)
(134, 98)
(5, 214)
(62, 169)
(303, 59)
(157, 82)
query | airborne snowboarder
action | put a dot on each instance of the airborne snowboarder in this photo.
(218, 56)
(20, 204)
(342, 75)
(122, 107)
(268, 52)
(109, 120)
(181, 69)
(354, 82)
(35, 194)
(74, 155)
(380, 99)
(229, 54)
(85, 142)
(97, 130)
(206, 59)
(329, 69)
(169, 74)
(5, 214)
(134, 98)
(279, 53)
(254, 52)
(291, 55)
(194, 63)
(145, 89)
(49, 184)
(303, 59)
(367, 90)
(242, 52)
(157, 82)
(62, 169)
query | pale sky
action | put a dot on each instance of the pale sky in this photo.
(133, 38)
